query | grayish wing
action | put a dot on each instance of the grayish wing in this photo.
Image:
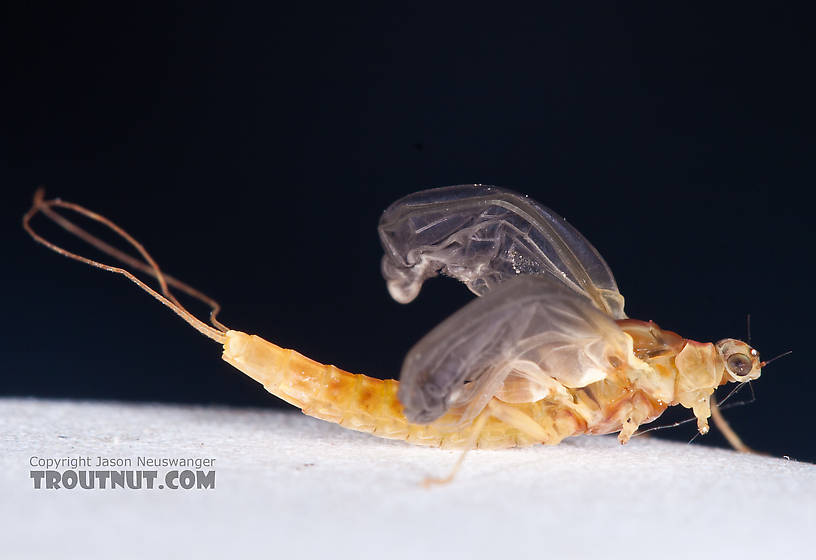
(484, 235)
(532, 326)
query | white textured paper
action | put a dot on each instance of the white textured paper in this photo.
(291, 486)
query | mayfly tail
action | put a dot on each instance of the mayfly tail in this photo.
(151, 268)
(166, 297)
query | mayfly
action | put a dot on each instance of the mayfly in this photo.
(546, 352)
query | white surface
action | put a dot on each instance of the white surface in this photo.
(288, 485)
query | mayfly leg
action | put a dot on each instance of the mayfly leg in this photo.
(726, 429)
(510, 416)
(471, 443)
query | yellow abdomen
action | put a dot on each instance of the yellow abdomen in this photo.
(359, 402)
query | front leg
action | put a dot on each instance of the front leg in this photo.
(639, 413)
(702, 410)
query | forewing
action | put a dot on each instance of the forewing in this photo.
(482, 236)
(531, 326)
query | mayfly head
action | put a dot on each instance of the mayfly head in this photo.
(741, 361)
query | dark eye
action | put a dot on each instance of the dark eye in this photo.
(739, 364)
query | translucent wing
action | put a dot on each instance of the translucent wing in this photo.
(484, 235)
(532, 327)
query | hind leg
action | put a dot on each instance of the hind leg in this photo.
(471, 443)
(511, 416)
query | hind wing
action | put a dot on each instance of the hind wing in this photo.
(532, 327)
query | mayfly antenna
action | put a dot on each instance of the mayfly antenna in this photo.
(748, 327)
(782, 355)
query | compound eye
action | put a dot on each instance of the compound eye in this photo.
(739, 364)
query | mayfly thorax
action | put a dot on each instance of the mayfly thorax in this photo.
(546, 351)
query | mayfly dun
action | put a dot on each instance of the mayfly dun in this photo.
(546, 352)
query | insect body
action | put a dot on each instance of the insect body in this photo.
(546, 351)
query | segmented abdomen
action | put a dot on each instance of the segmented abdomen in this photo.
(354, 401)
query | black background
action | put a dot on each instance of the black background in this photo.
(252, 152)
